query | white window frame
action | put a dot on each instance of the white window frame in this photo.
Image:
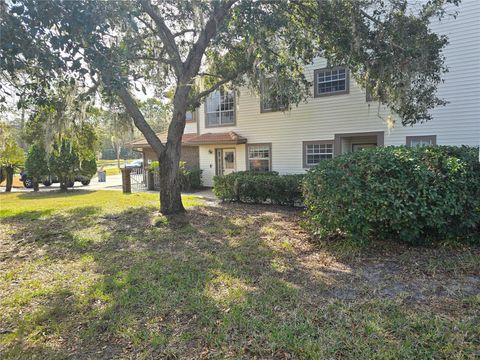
(421, 140)
(328, 150)
(222, 94)
(330, 72)
(265, 101)
(262, 147)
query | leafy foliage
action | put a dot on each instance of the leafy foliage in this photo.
(190, 49)
(11, 154)
(258, 188)
(36, 164)
(387, 46)
(190, 178)
(64, 143)
(414, 195)
(63, 162)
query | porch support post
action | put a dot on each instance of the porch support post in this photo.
(126, 181)
(150, 179)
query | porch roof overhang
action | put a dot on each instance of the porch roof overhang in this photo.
(142, 143)
(227, 138)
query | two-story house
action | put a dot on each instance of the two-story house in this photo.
(236, 130)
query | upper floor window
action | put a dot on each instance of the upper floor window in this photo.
(271, 99)
(369, 97)
(220, 108)
(331, 81)
(191, 116)
(316, 151)
(425, 140)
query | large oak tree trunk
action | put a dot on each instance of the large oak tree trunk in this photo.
(170, 185)
(169, 159)
(169, 153)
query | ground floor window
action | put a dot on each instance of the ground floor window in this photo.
(259, 157)
(316, 151)
(425, 140)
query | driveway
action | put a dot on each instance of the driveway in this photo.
(114, 182)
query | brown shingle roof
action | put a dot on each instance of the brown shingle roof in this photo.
(142, 143)
(217, 138)
(194, 139)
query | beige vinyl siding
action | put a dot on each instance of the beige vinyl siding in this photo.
(319, 118)
(457, 123)
(323, 117)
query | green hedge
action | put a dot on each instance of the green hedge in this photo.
(415, 195)
(257, 188)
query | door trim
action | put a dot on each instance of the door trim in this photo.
(337, 147)
(218, 162)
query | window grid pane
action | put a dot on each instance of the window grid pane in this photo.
(317, 152)
(221, 108)
(331, 81)
(421, 142)
(271, 99)
(259, 158)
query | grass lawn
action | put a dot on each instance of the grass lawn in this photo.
(111, 171)
(100, 275)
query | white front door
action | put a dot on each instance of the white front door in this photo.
(228, 161)
(225, 161)
(358, 147)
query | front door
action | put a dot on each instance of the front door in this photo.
(224, 161)
(358, 147)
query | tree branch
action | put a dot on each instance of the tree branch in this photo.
(380, 23)
(208, 74)
(153, 58)
(91, 90)
(139, 120)
(166, 36)
(183, 32)
(204, 93)
(194, 58)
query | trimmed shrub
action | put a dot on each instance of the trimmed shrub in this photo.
(258, 188)
(190, 179)
(414, 195)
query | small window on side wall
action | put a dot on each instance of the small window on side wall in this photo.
(259, 158)
(331, 81)
(369, 97)
(270, 97)
(316, 151)
(424, 140)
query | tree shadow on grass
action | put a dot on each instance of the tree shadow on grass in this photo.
(25, 215)
(51, 194)
(230, 281)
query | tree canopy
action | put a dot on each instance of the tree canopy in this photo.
(191, 48)
(11, 154)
